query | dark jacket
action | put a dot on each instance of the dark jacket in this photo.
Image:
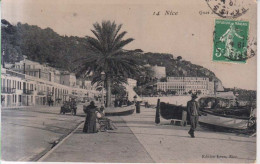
(90, 122)
(193, 108)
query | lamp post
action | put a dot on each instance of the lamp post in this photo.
(103, 76)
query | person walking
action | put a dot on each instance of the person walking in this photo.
(90, 122)
(193, 112)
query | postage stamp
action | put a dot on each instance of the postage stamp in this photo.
(230, 41)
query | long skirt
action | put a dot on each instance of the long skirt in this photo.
(90, 124)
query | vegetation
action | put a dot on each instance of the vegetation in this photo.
(41, 45)
(106, 54)
(243, 94)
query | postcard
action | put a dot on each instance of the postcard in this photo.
(124, 81)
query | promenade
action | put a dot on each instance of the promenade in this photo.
(139, 139)
(28, 133)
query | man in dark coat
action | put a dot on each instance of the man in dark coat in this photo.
(90, 122)
(193, 112)
(73, 106)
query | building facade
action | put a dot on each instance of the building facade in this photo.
(182, 85)
(29, 83)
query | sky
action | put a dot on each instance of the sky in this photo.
(188, 34)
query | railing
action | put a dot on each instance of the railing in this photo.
(27, 91)
(41, 93)
(8, 90)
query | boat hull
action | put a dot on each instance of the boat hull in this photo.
(226, 122)
(170, 111)
(122, 111)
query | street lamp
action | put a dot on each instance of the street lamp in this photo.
(103, 76)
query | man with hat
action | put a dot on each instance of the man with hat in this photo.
(193, 112)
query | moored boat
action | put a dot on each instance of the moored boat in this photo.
(170, 111)
(225, 121)
(215, 111)
(225, 113)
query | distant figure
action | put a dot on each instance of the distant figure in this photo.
(90, 122)
(146, 105)
(116, 103)
(128, 103)
(73, 106)
(193, 112)
(237, 103)
(120, 103)
(137, 107)
(102, 109)
(49, 101)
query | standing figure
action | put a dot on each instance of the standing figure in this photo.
(73, 106)
(193, 112)
(137, 107)
(90, 122)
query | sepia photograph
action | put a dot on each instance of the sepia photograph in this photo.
(119, 81)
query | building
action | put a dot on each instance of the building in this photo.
(35, 69)
(29, 83)
(159, 72)
(182, 85)
(68, 79)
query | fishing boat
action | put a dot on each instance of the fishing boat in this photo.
(122, 111)
(171, 111)
(215, 111)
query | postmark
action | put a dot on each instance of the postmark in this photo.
(228, 8)
(230, 41)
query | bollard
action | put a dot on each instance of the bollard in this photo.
(138, 107)
(157, 115)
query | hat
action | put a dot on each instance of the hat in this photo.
(194, 96)
(92, 103)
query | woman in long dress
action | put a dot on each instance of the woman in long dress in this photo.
(90, 122)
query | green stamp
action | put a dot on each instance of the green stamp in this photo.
(230, 41)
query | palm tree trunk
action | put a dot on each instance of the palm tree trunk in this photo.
(108, 94)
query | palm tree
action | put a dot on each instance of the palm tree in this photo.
(106, 54)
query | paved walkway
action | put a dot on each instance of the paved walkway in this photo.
(139, 139)
(119, 145)
(169, 143)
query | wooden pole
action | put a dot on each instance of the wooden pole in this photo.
(157, 115)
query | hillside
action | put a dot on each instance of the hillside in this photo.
(41, 45)
(175, 66)
(46, 46)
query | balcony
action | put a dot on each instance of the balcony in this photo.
(27, 91)
(8, 90)
(41, 93)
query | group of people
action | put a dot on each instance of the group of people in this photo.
(94, 114)
(121, 102)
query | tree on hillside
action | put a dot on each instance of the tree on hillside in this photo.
(106, 55)
(179, 58)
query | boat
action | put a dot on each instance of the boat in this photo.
(120, 111)
(215, 111)
(171, 111)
